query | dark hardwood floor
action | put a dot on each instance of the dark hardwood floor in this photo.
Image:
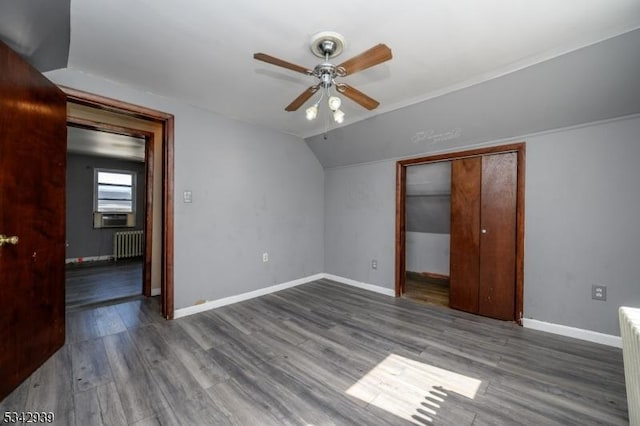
(93, 283)
(318, 354)
(427, 288)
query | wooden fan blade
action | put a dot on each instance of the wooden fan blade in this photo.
(374, 56)
(279, 62)
(304, 96)
(357, 96)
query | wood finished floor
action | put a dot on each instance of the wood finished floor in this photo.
(319, 354)
(427, 289)
(96, 282)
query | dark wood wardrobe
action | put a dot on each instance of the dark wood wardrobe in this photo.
(483, 235)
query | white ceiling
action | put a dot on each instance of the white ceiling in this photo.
(201, 51)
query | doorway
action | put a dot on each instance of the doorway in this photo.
(105, 215)
(428, 230)
(104, 114)
(465, 210)
(34, 116)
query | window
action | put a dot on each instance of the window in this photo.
(115, 191)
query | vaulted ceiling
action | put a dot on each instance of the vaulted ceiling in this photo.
(200, 51)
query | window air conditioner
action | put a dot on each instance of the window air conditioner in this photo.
(114, 220)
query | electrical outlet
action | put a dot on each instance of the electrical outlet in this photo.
(374, 264)
(265, 257)
(599, 292)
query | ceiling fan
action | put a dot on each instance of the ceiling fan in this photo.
(327, 45)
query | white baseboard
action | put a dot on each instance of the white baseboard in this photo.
(563, 330)
(88, 259)
(371, 287)
(211, 304)
(156, 291)
(578, 333)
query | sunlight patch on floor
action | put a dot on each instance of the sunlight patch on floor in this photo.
(411, 389)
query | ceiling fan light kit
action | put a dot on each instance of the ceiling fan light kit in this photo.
(327, 45)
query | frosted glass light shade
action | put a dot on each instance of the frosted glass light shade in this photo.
(334, 103)
(312, 112)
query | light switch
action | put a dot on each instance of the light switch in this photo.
(186, 196)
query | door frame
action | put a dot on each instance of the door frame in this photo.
(148, 184)
(401, 191)
(167, 122)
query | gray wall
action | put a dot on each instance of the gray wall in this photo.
(428, 198)
(254, 190)
(428, 217)
(427, 252)
(360, 222)
(428, 213)
(82, 239)
(583, 224)
(582, 201)
(581, 216)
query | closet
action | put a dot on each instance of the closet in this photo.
(483, 235)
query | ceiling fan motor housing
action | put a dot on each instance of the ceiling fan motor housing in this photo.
(328, 47)
(327, 44)
(326, 72)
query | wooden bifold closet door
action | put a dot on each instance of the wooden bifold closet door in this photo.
(483, 235)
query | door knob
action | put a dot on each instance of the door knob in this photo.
(8, 240)
(484, 231)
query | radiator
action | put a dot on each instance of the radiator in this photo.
(128, 244)
(630, 331)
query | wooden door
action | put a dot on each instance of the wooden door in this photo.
(483, 235)
(32, 205)
(464, 274)
(498, 236)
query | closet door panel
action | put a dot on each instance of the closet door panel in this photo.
(465, 233)
(498, 236)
